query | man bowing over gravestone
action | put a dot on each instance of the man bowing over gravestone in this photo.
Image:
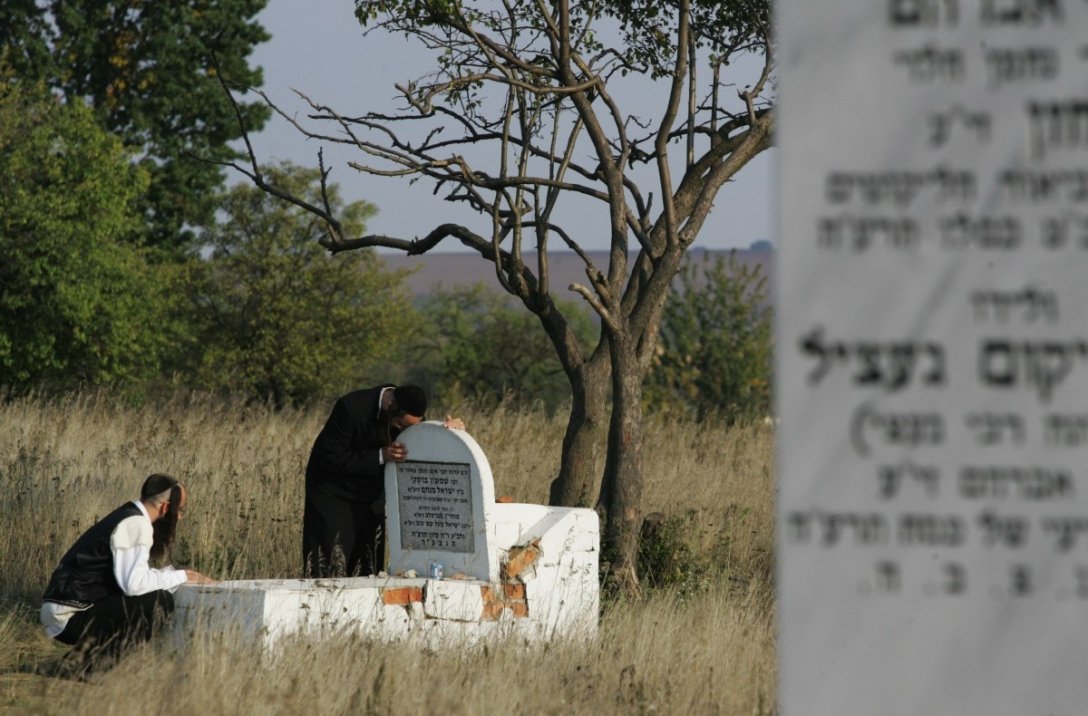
(345, 480)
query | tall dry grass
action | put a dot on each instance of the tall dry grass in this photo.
(704, 647)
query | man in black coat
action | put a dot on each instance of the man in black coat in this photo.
(345, 485)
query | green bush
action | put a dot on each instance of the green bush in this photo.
(714, 355)
(665, 556)
(80, 303)
(275, 317)
(476, 345)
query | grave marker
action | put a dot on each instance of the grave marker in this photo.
(440, 504)
(932, 357)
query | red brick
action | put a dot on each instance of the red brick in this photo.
(505, 499)
(520, 559)
(514, 590)
(403, 596)
(521, 609)
(492, 606)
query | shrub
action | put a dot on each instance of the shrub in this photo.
(715, 348)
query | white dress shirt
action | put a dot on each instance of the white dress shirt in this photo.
(130, 544)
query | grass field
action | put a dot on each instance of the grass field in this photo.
(701, 643)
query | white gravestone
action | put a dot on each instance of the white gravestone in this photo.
(439, 504)
(933, 357)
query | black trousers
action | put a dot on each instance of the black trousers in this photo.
(115, 621)
(340, 537)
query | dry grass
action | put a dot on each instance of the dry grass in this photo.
(63, 464)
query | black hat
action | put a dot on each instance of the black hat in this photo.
(157, 484)
(410, 400)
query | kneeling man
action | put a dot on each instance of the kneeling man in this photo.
(104, 593)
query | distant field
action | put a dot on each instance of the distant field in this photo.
(452, 269)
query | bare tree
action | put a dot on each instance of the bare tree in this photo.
(521, 93)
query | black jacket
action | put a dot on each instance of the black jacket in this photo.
(85, 573)
(345, 454)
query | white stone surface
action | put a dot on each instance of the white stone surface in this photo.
(930, 332)
(561, 595)
(432, 447)
(450, 600)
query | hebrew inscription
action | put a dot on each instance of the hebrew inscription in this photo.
(435, 506)
(933, 354)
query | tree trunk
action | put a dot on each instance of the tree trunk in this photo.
(620, 501)
(578, 466)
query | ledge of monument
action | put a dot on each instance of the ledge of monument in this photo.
(342, 583)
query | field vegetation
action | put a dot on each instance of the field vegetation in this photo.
(700, 640)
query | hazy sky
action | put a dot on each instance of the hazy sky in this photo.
(317, 47)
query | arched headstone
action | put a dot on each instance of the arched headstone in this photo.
(439, 505)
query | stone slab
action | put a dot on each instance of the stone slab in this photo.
(556, 595)
(438, 505)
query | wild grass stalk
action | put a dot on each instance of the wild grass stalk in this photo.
(702, 643)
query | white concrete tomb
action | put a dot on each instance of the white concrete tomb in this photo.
(522, 570)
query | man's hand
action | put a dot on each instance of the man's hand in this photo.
(194, 577)
(394, 453)
(452, 422)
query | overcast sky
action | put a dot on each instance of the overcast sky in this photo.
(317, 47)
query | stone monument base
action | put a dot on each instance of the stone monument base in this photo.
(547, 588)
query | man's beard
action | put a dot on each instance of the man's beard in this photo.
(387, 428)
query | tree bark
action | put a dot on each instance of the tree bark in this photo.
(579, 469)
(620, 500)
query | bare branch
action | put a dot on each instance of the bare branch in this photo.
(758, 138)
(606, 316)
(255, 175)
(691, 100)
(496, 231)
(675, 89)
(747, 97)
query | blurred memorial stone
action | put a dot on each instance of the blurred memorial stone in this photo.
(933, 357)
